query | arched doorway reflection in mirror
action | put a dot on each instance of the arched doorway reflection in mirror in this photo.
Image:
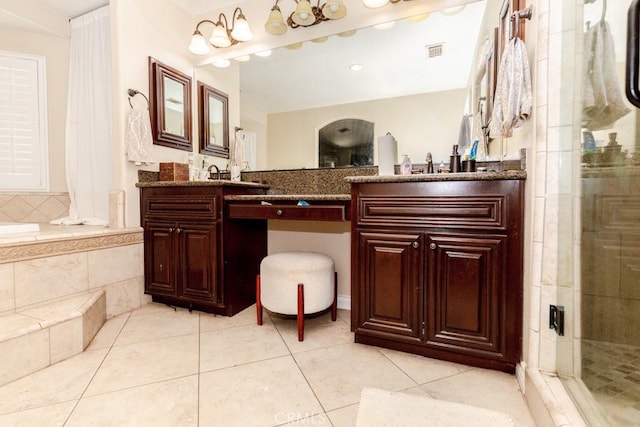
(345, 142)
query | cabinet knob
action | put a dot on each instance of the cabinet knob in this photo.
(179, 230)
(170, 229)
(433, 246)
(415, 245)
(279, 212)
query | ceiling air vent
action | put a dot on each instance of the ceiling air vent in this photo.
(434, 50)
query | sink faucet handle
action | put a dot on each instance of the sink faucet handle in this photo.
(211, 172)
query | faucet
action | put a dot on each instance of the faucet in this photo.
(211, 172)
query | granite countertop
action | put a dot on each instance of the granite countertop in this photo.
(462, 176)
(212, 183)
(290, 197)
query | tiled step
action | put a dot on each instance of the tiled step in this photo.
(37, 337)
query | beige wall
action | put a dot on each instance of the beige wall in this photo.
(56, 51)
(157, 28)
(420, 123)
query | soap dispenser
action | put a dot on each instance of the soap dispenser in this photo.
(455, 164)
(405, 166)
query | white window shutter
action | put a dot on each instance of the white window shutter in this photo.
(23, 125)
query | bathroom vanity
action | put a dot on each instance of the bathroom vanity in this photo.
(437, 265)
(194, 256)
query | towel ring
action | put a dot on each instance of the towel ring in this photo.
(525, 13)
(133, 92)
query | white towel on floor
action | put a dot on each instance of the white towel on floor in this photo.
(137, 137)
(513, 98)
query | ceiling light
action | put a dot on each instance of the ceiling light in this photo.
(222, 35)
(417, 18)
(264, 53)
(304, 15)
(221, 63)
(355, 67)
(320, 39)
(385, 25)
(294, 46)
(375, 3)
(347, 33)
(452, 10)
(243, 58)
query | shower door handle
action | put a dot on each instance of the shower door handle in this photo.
(633, 33)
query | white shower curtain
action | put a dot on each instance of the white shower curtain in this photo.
(88, 142)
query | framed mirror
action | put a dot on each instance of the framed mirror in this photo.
(213, 115)
(170, 110)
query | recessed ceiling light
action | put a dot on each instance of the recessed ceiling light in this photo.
(355, 67)
(385, 26)
(452, 10)
(264, 53)
(294, 46)
(320, 39)
(418, 18)
(243, 58)
(222, 63)
(347, 33)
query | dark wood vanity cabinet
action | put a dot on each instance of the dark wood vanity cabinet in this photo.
(194, 257)
(437, 269)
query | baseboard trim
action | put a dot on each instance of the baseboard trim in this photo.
(344, 302)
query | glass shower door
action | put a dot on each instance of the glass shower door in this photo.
(607, 354)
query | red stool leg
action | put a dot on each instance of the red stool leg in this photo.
(300, 312)
(258, 302)
(334, 308)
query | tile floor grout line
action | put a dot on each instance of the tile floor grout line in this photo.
(291, 354)
(99, 366)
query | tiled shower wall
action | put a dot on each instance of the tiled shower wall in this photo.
(33, 207)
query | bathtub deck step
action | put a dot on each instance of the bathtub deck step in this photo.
(37, 337)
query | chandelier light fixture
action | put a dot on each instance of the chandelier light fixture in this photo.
(222, 35)
(304, 15)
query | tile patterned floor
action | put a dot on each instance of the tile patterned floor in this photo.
(612, 374)
(160, 367)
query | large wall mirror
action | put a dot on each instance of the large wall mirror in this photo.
(170, 98)
(213, 113)
(413, 83)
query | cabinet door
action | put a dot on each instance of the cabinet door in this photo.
(466, 291)
(160, 275)
(198, 262)
(389, 285)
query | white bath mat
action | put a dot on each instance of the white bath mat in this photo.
(382, 408)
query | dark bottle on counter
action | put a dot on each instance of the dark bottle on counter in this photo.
(429, 163)
(455, 164)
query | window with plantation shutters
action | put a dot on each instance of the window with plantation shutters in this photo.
(23, 124)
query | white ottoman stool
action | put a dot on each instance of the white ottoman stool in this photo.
(297, 283)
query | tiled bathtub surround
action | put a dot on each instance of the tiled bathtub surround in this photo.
(33, 207)
(61, 261)
(58, 286)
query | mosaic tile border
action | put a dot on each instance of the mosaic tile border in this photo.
(40, 249)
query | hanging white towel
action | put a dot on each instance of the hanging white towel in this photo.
(137, 137)
(602, 100)
(513, 99)
(464, 134)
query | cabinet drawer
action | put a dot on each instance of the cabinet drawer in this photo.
(292, 212)
(487, 212)
(180, 206)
